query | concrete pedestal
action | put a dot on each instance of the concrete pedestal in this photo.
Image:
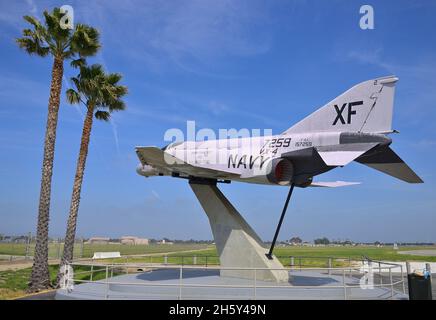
(237, 243)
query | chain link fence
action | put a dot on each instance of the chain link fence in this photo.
(23, 248)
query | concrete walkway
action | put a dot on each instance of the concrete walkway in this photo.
(428, 253)
(200, 284)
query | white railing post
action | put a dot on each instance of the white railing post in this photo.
(380, 274)
(343, 282)
(392, 283)
(180, 282)
(92, 271)
(330, 265)
(107, 282)
(255, 284)
(402, 279)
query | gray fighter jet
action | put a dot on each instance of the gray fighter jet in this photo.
(355, 126)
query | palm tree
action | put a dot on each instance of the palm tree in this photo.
(44, 40)
(101, 94)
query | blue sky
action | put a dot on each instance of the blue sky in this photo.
(224, 64)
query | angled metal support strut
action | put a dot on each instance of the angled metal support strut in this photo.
(269, 254)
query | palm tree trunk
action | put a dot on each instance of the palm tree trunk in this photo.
(40, 277)
(70, 235)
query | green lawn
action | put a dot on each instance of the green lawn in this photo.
(386, 253)
(19, 249)
(310, 256)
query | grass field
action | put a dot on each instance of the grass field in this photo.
(386, 253)
(19, 249)
(376, 253)
(310, 256)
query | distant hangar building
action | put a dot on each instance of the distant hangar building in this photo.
(134, 240)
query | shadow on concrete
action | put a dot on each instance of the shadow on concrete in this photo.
(311, 281)
(173, 274)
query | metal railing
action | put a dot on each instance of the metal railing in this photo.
(103, 275)
(208, 260)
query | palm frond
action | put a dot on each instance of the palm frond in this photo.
(85, 40)
(78, 63)
(33, 21)
(117, 105)
(113, 78)
(73, 96)
(33, 41)
(58, 33)
(100, 90)
(102, 115)
(32, 46)
(52, 37)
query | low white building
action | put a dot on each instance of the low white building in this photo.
(98, 240)
(163, 241)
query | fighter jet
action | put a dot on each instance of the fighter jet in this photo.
(355, 126)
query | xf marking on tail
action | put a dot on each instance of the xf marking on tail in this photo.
(350, 111)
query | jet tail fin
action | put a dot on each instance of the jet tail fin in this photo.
(366, 107)
(391, 164)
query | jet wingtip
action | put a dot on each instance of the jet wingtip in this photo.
(418, 180)
(333, 184)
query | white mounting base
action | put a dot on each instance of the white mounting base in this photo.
(237, 243)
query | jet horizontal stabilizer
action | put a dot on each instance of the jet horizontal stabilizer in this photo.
(390, 163)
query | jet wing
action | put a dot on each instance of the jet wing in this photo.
(342, 154)
(166, 162)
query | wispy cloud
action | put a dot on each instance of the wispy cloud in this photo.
(180, 106)
(154, 113)
(188, 34)
(12, 87)
(418, 68)
(11, 14)
(418, 80)
(373, 56)
(155, 194)
(115, 133)
(32, 7)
